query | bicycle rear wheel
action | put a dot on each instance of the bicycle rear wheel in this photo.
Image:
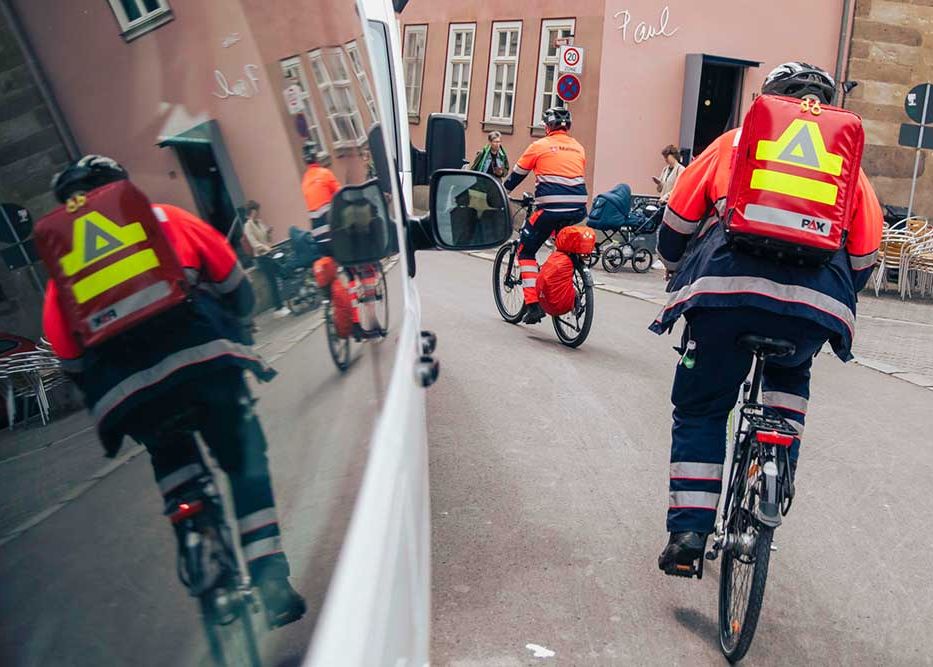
(572, 328)
(507, 284)
(744, 572)
(339, 347)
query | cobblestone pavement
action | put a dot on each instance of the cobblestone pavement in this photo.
(892, 336)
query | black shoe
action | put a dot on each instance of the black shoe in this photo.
(283, 603)
(357, 332)
(683, 549)
(534, 314)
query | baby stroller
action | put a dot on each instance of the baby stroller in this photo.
(625, 228)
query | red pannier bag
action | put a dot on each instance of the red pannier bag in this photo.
(577, 239)
(794, 178)
(342, 308)
(325, 270)
(111, 261)
(554, 286)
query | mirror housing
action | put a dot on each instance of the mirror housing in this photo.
(469, 210)
(444, 148)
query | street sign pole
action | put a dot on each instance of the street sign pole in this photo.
(913, 183)
(19, 242)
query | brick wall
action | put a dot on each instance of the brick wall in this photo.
(31, 152)
(892, 51)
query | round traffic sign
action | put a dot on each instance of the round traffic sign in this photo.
(571, 56)
(568, 87)
(915, 100)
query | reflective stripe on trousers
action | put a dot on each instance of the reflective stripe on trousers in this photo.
(529, 270)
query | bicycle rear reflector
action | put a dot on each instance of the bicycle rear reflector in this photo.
(186, 510)
(774, 438)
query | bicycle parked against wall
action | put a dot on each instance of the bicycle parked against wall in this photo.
(759, 493)
(571, 328)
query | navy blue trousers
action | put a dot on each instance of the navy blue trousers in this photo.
(704, 395)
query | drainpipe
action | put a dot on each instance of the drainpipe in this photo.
(42, 84)
(842, 49)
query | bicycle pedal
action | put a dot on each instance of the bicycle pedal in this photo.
(686, 571)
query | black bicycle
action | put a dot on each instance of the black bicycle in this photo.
(373, 308)
(759, 492)
(209, 568)
(571, 328)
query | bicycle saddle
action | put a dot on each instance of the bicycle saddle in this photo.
(767, 347)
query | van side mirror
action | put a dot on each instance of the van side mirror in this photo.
(360, 224)
(469, 210)
(444, 148)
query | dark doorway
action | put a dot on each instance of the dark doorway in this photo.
(717, 106)
(207, 184)
(712, 103)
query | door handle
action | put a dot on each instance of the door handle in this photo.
(426, 370)
(428, 342)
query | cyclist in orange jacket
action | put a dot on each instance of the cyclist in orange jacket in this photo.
(318, 185)
(191, 356)
(559, 163)
(724, 293)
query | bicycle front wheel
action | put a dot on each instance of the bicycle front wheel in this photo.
(742, 583)
(572, 328)
(507, 284)
(232, 640)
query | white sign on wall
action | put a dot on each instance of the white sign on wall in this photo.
(293, 99)
(570, 60)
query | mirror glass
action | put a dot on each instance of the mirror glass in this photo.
(469, 210)
(263, 120)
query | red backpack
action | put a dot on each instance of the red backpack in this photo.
(577, 239)
(111, 261)
(554, 286)
(794, 179)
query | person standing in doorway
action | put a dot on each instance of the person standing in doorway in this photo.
(671, 172)
(259, 236)
(492, 159)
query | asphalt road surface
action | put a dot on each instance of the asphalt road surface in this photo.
(549, 488)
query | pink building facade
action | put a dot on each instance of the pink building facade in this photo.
(655, 72)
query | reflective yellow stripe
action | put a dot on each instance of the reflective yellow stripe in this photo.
(96, 222)
(801, 145)
(795, 186)
(111, 276)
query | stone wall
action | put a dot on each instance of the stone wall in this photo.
(31, 152)
(892, 51)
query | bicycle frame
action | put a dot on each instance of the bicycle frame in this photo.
(747, 411)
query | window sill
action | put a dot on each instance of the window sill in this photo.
(151, 22)
(538, 131)
(504, 128)
(414, 119)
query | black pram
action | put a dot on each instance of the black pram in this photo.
(628, 229)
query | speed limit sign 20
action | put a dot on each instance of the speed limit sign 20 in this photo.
(570, 60)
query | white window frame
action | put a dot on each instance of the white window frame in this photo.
(315, 130)
(414, 68)
(356, 63)
(493, 114)
(461, 60)
(339, 103)
(148, 20)
(545, 61)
